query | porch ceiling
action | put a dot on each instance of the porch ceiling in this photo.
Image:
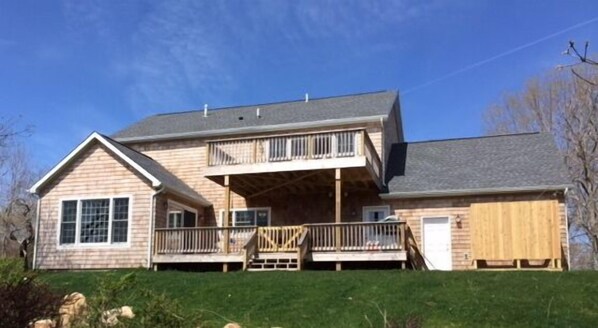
(298, 182)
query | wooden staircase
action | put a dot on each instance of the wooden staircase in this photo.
(273, 262)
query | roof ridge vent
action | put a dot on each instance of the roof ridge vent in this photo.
(306, 97)
(205, 110)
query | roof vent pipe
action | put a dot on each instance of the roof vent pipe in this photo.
(257, 112)
(205, 110)
(307, 97)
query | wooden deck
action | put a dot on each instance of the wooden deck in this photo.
(296, 245)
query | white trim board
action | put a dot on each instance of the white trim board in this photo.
(71, 156)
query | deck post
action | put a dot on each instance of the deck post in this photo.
(337, 213)
(402, 242)
(362, 143)
(226, 214)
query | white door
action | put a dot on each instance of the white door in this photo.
(437, 243)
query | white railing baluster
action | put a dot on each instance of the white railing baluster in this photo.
(288, 148)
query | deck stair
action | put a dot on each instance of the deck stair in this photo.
(273, 262)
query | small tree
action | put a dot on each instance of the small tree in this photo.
(17, 206)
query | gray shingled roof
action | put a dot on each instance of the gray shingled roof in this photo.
(293, 112)
(168, 180)
(522, 161)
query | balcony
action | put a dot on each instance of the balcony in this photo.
(293, 152)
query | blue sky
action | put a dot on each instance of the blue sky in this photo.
(74, 66)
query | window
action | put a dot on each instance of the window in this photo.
(68, 227)
(120, 223)
(94, 221)
(175, 219)
(249, 217)
(180, 216)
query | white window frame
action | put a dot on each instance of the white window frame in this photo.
(176, 207)
(234, 210)
(109, 243)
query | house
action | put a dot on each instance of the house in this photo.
(296, 184)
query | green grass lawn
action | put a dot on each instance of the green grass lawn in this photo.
(344, 299)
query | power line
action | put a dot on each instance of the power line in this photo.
(503, 54)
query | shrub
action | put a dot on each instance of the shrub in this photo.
(154, 310)
(12, 270)
(23, 300)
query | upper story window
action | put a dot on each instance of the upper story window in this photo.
(95, 221)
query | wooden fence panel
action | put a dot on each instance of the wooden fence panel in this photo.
(515, 230)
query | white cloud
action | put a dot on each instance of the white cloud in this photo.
(178, 54)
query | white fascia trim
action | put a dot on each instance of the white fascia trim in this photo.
(255, 129)
(469, 192)
(94, 136)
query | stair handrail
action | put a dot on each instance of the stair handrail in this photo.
(302, 247)
(249, 248)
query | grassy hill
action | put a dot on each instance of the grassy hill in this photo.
(360, 298)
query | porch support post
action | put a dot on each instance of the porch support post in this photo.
(226, 213)
(337, 213)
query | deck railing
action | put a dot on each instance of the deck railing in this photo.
(290, 147)
(320, 237)
(330, 237)
(371, 155)
(279, 239)
(201, 240)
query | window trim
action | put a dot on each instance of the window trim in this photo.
(78, 243)
(179, 209)
(233, 210)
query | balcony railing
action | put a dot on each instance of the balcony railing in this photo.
(289, 148)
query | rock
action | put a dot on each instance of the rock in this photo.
(127, 312)
(232, 325)
(73, 310)
(110, 317)
(46, 323)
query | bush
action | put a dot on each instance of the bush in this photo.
(12, 270)
(22, 298)
(155, 310)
